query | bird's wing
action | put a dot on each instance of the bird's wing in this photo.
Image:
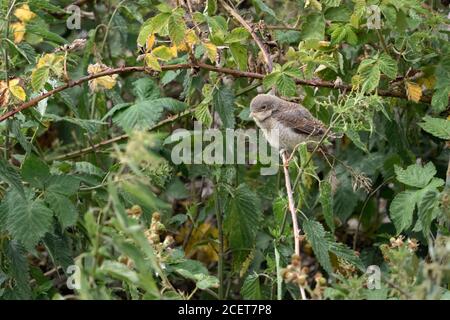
(300, 121)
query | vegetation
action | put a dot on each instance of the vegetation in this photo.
(93, 207)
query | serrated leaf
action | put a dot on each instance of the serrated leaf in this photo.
(316, 234)
(241, 221)
(65, 184)
(211, 51)
(11, 176)
(28, 220)
(63, 208)
(326, 200)
(437, 127)
(223, 103)
(17, 90)
(18, 269)
(428, 209)
(146, 89)
(370, 78)
(59, 249)
(388, 65)
(163, 53)
(237, 35)
(251, 289)
(35, 171)
(313, 27)
(239, 53)
(415, 175)
(177, 29)
(39, 78)
(286, 85)
(203, 114)
(152, 62)
(439, 101)
(402, 209)
(153, 25)
(271, 79)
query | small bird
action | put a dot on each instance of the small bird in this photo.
(286, 124)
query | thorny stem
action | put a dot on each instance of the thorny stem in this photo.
(200, 65)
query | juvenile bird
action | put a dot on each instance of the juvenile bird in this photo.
(286, 124)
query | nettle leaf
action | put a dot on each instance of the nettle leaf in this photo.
(64, 209)
(146, 89)
(388, 65)
(370, 77)
(315, 234)
(437, 127)
(9, 175)
(242, 217)
(439, 101)
(35, 171)
(18, 269)
(326, 200)
(251, 288)
(286, 85)
(28, 219)
(223, 104)
(402, 209)
(415, 175)
(146, 114)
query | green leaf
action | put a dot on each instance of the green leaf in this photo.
(237, 35)
(415, 175)
(437, 127)
(313, 27)
(63, 208)
(18, 270)
(271, 79)
(402, 209)
(370, 78)
(39, 78)
(35, 171)
(203, 114)
(286, 85)
(177, 29)
(223, 103)
(439, 101)
(145, 114)
(264, 8)
(59, 248)
(326, 200)
(239, 53)
(28, 219)
(153, 25)
(388, 65)
(428, 209)
(251, 289)
(146, 89)
(316, 234)
(66, 185)
(211, 7)
(242, 218)
(11, 176)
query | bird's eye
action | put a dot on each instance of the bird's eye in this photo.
(263, 107)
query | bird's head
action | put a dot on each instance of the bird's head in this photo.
(262, 106)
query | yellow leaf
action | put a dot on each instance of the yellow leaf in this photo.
(52, 61)
(4, 94)
(106, 82)
(174, 51)
(152, 62)
(164, 53)
(191, 38)
(18, 31)
(24, 13)
(414, 91)
(17, 90)
(150, 42)
(211, 51)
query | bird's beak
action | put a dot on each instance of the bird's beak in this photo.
(252, 114)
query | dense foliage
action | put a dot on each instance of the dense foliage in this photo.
(93, 207)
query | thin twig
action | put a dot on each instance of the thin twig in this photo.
(78, 153)
(291, 204)
(266, 55)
